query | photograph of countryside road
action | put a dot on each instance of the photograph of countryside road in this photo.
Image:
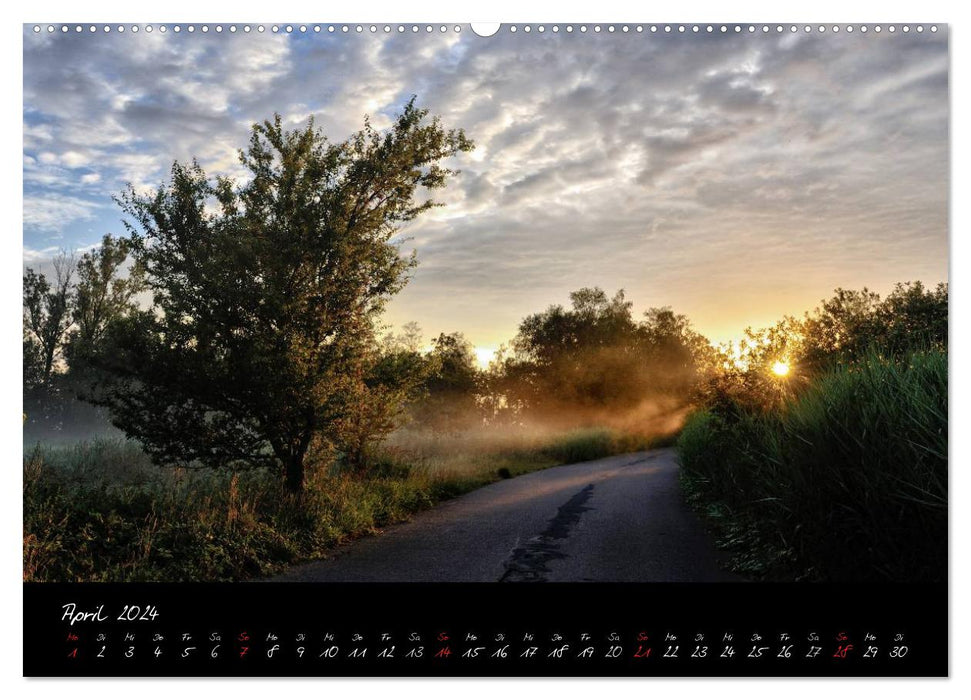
(536, 307)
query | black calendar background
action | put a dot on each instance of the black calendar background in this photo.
(629, 629)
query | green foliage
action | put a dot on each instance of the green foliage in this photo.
(844, 330)
(388, 379)
(451, 386)
(102, 296)
(845, 481)
(33, 361)
(576, 364)
(260, 340)
(850, 324)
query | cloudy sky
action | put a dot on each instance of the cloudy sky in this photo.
(734, 177)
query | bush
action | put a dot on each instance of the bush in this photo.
(846, 481)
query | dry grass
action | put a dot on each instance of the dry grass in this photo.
(101, 511)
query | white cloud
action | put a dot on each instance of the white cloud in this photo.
(52, 212)
(74, 159)
(33, 257)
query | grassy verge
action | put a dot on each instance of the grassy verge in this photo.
(102, 512)
(846, 481)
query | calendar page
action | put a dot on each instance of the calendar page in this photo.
(437, 349)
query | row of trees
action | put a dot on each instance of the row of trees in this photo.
(68, 313)
(566, 366)
(66, 316)
(845, 329)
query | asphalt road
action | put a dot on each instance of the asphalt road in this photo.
(615, 519)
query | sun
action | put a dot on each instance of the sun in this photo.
(484, 356)
(780, 368)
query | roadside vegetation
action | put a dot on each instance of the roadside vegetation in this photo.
(836, 470)
(102, 511)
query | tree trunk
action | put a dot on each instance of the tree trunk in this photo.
(294, 474)
(48, 365)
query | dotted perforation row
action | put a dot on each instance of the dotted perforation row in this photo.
(246, 29)
(725, 28)
(429, 28)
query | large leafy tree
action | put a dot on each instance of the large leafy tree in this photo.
(261, 335)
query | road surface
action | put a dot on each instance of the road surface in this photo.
(615, 519)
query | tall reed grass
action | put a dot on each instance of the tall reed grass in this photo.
(846, 481)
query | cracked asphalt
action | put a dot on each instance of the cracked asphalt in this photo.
(617, 519)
